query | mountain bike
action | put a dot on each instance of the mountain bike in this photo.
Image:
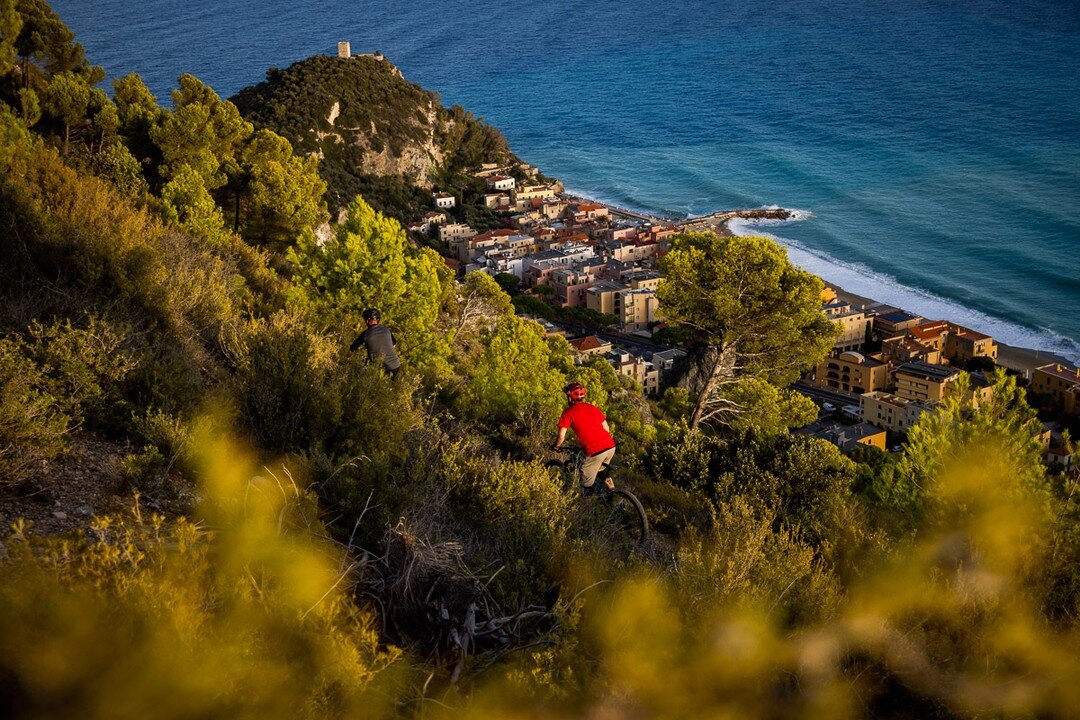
(623, 508)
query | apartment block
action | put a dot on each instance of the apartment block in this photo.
(853, 324)
(962, 345)
(1061, 384)
(852, 372)
(924, 382)
(639, 309)
(571, 285)
(894, 322)
(891, 412)
(641, 371)
(904, 348)
(603, 297)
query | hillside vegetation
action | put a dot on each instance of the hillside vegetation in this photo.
(280, 529)
(375, 133)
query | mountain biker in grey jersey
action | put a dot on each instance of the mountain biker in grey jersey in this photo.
(379, 341)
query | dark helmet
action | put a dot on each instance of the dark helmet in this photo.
(371, 314)
(575, 392)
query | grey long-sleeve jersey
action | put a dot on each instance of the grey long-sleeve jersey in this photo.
(379, 342)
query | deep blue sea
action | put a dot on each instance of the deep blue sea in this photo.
(935, 145)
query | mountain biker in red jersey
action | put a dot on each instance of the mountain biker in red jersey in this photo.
(592, 431)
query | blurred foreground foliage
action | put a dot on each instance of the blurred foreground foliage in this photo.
(243, 613)
(252, 610)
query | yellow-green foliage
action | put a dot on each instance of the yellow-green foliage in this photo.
(514, 374)
(80, 229)
(681, 456)
(243, 614)
(743, 562)
(370, 263)
(87, 365)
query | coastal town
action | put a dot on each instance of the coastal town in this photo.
(589, 270)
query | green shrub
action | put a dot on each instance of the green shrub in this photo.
(299, 390)
(681, 456)
(742, 561)
(522, 517)
(283, 383)
(145, 470)
(171, 437)
(33, 424)
(117, 165)
(806, 484)
(87, 367)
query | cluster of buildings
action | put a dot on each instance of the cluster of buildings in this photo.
(892, 366)
(573, 253)
(895, 364)
(582, 254)
(1058, 386)
(651, 368)
(888, 366)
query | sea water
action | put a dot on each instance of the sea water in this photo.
(935, 146)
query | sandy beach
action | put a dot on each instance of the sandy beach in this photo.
(1020, 359)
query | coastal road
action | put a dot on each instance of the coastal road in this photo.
(839, 398)
(615, 338)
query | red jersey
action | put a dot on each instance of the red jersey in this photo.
(587, 422)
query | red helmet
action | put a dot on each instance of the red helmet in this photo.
(575, 392)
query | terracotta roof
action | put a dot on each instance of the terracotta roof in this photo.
(928, 329)
(589, 342)
(968, 334)
(906, 343)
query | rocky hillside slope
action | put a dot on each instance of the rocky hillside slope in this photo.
(376, 133)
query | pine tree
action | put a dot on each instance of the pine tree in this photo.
(757, 317)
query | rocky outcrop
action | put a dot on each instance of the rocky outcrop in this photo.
(375, 133)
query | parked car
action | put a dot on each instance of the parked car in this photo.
(896, 448)
(828, 407)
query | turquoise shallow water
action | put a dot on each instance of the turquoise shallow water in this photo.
(936, 146)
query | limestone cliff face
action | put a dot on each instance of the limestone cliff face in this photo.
(378, 153)
(375, 133)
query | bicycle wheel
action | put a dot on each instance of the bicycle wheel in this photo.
(629, 515)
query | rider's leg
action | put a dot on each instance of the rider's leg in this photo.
(591, 466)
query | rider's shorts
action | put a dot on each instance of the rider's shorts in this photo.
(592, 465)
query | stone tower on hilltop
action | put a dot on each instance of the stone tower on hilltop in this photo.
(343, 49)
